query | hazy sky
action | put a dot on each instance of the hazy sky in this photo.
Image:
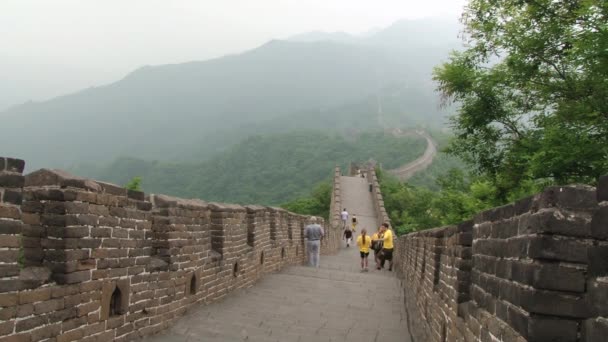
(54, 47)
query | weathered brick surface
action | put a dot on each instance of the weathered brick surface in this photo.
(377, 196)
(534, 270)
(149, 258)
(11, 228)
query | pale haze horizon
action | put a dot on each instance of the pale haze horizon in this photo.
(52, 49)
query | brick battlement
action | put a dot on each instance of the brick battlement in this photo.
(534, 270)
(91, 261)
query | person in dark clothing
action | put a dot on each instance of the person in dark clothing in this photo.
(348, 236)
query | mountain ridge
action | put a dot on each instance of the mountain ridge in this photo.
(162, 112)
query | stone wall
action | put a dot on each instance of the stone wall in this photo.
(535, 270)
(83, 260)
(372, 179)
(336, 200)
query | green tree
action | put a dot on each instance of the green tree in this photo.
(134, 184)
(316, 204)
(532, 89)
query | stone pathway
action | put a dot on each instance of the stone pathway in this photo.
(336, 302)
(357, 200)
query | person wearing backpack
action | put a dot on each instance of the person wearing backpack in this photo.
(377, 242)
(348, 236)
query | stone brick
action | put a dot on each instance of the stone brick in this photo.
(15, 165)
(48, 306)
(72, 278)
(62, 315)
(25, 310)
(73, 323)
(17, 338)
(594, 330)
(8, 299)
(12, 197)
(73, 335)
(598, 297)
(554, 248)
(32, 207)
(518, 320)
(10, 241)
(9, 270)
(136, 195)
(48, 331)
(555, 303)
(30, 323)
(87, 308)
(552, 329)
(10, 180)
(34, 296)
(599, 223)
(68, 232)
(602, 189)
(567, 197)
(555, 221)
(6, 328)
(598, 260)
(7, 313)
(8, 227)
(561, 278)
(7, 211)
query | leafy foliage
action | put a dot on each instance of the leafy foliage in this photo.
(316, 204)
(532, 89)
(413, 208)
(268, 169)
(134, 184)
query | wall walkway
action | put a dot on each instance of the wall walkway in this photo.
(82, 260)
(336, 302)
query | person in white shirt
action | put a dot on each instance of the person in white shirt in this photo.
(344, 216)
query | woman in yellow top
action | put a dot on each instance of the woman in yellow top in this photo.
(364, 242)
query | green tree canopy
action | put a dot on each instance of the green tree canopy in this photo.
(532, 90)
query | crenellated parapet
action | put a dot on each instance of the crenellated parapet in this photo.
(11, 224)
(377, 199)
(534, 270)
(336, 199)
(87, 260)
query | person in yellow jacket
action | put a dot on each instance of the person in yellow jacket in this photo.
(377, 246)
(364, 242)
(387, 248)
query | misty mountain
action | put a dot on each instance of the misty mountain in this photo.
(265, 169)
(169, 112)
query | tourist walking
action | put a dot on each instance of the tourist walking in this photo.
(354, 220)
(387, 248)
(344, 215)
(364, 242)
(313, 233)
(377, 244)
(348, 236)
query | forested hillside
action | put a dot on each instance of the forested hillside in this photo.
(535, 117)
(268, 169)
(194, 110)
